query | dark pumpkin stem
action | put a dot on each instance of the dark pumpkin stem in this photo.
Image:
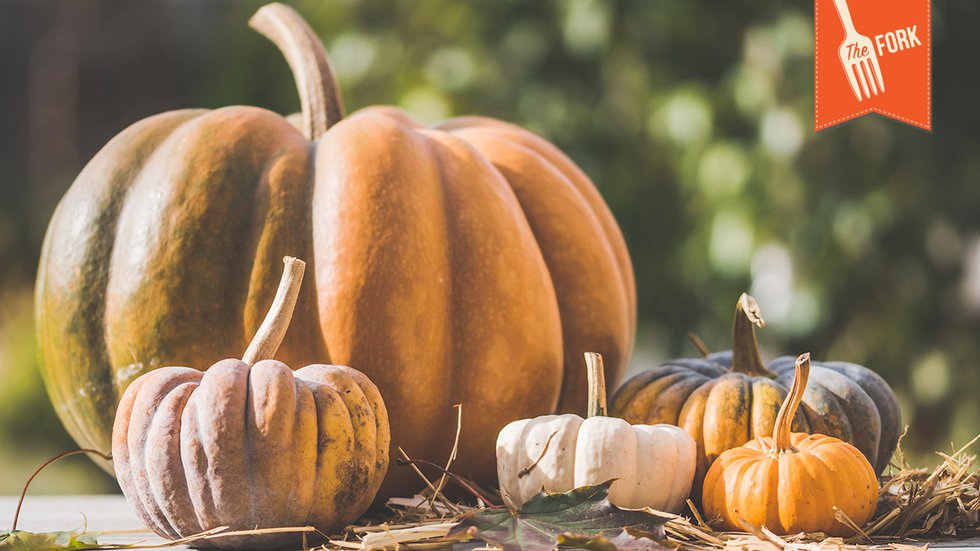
(23, 493)
(745, 347)
(267, 339)
(319, 94)
(787, 411)
(597, 385)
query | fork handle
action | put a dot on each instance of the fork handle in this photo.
(845, 16)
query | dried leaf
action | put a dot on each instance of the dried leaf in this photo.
(582, 512)
(21, 540)
(628, 539)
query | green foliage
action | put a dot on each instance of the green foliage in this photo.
(582, 517)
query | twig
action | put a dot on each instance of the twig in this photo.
(527, 470)
(842, 517)
(459, 480)
(774, 539)
(698, 344)
(23, 493)
(697, 514)
(455, 450)
(406, 460)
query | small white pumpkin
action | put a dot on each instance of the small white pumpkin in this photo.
(653, 464)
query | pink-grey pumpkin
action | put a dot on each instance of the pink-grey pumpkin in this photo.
(251, 444)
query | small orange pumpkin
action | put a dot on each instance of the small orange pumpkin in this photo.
(791, 483)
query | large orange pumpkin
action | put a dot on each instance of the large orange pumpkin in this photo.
(469, 262)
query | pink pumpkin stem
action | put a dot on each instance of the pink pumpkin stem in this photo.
(267, 339)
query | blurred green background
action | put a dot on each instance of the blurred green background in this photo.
(694, 119)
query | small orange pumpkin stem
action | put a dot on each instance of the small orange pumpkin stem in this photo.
(597, 385)
(319, 94)
(267, 339)
(787, 411)
(745, 347)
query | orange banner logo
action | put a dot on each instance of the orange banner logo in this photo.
(872, 56)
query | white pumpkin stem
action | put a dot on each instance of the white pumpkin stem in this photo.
(787, 411)
(267, 339)
(745, 347)
(597, 385)
(319, 94)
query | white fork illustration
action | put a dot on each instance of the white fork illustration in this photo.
(858, 56)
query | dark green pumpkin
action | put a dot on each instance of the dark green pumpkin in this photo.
(728, 398)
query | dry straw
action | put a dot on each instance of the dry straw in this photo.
(915, 507)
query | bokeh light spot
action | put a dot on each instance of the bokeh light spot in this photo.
(723, 171)
(426, 105)
(772, 280)
(450, 68)
(781, 133)
(930, 378)
(685, 118)
(352, 55)
(586, 28)
(732, 236)
(852, 228)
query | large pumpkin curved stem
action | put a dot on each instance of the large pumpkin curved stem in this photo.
(319, 94)
(784, 419)
(270, 334)
(597, 385)
(745, 348)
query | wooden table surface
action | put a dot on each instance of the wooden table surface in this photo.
(111, 515)
(108, 513)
